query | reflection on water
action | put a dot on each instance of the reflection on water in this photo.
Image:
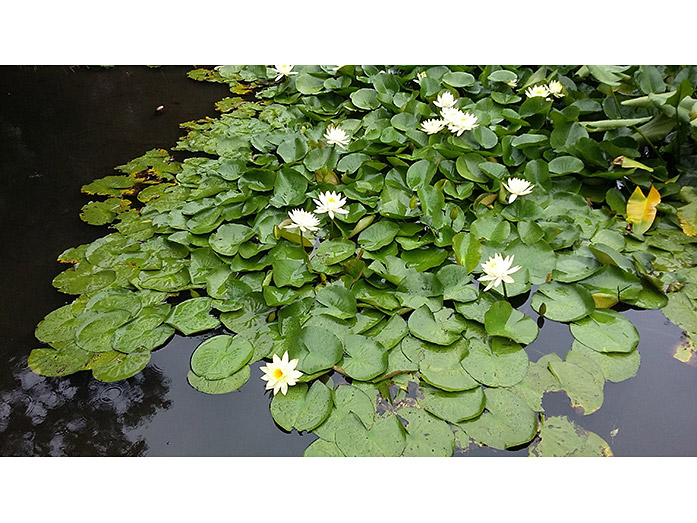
(77, 415)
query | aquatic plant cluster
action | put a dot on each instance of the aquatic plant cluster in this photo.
(365, 231)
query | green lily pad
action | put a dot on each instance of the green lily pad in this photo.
(316, 349)
(442, 367)
(301, 407)
(452, 406)
(584, 389)
(228, 238)
(221, 356)
(365, 358)
(322, 448)
(97, 328)
(338, 301)
(427, 436)
(51, 362)
(563, 302)
(616, 366)
(506, 422)
(116, 366)
(378, 235)
(384, 438)
(347, 399)
(442, 328)
(561, 437)
(192, 316)
(606, 330)
(538, 380)
(499, 363)
(503, 320)
(222, 386)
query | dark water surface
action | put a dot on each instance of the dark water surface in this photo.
(61, 128)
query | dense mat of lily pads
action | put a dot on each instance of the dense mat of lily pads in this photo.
(365, 230)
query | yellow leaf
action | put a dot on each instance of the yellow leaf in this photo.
(641, 210)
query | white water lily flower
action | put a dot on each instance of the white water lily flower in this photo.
(517, 187)
(497, 270)
(419, 77)
(303, 220)
(432, 126)
(512, 83)
(457, 121)
(283, 70)
(280, 374)
(538, 90)
(556, 89)
(330, 202)
(445, 99)
(337, 136)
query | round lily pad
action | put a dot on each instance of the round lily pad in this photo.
(222, 386)
(192, 316)
(503, 320)
(365, 358)
(97, 328)
(506, 422)
(426, 434)
(221, 356)
(316, 349)
(302, 407)
(453, 406)
(499, 363)
(51, 362)
(117, 366)
(606, 330)
(563, 302)
(385, 437)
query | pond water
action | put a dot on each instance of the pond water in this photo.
(63, 127)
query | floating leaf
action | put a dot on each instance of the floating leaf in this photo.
(563, 302)
(192, 316)
(221, 356)
(506, 422)
(561, 437)
(222, 386)
(301, 407)
(426, 434)
(453, 406)
(503, 320)
(384, 438)
(365, 359)
(500, 363)
(116, 366)
(606, 330)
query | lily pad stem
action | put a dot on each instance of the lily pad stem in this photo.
(307, 258)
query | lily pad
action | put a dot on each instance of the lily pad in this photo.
(506, 422)
(384, 438)
(222, 386)
(221, 356)
(117, 366)
(499, 363)
(316, 349)
(561, 437)
(563, 302)
(192, 316)
(365, 358)
(503, 320)
(427, 436)
(302, 407)
(442, 328)
(606, 330)
(452, 406)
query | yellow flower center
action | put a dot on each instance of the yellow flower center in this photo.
(278, 374)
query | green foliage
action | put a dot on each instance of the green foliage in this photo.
(388, 293)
